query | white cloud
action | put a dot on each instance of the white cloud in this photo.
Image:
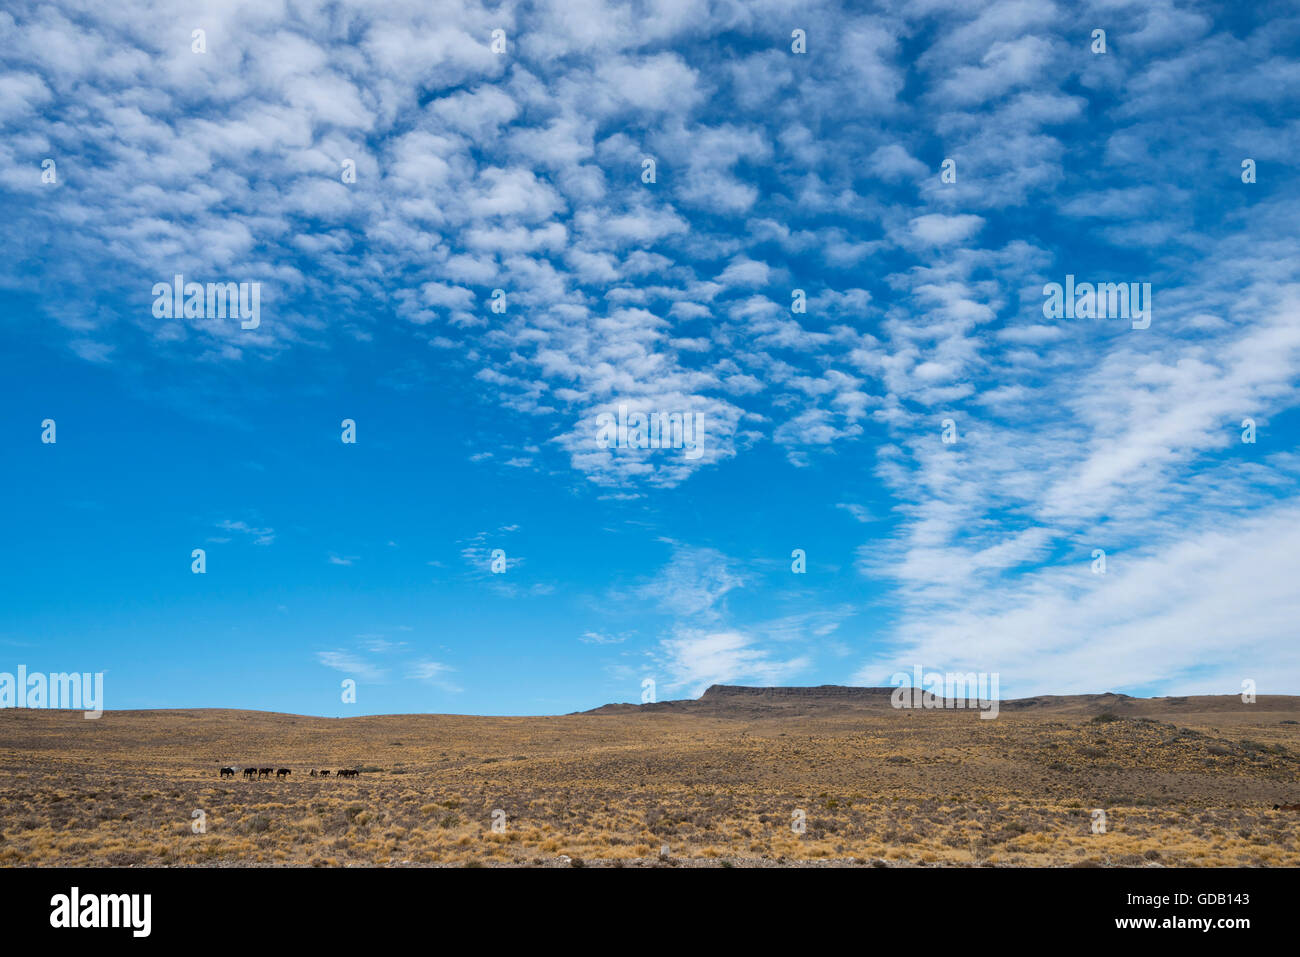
(433, 673)
(260, 536)
(937, 229)
(353, 665)
(695, 660)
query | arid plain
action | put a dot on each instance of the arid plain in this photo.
(723, 781)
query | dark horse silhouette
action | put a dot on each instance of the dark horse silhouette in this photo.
(264, 772)
(250, 772)
(227, 772)
(324, 774)
(347, 773)
(283, 773)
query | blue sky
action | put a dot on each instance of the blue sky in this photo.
(522, 170)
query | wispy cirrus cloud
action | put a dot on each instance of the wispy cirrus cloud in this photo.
(259, 536)
(694, 660)
(433, 673)
(352, 664)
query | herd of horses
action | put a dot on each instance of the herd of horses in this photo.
(281, 773)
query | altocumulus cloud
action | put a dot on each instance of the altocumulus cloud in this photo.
(774, 172)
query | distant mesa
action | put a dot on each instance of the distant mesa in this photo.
(746, 701)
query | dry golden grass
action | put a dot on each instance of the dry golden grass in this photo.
(1184, 788)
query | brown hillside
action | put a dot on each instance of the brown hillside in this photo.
(1185, 781)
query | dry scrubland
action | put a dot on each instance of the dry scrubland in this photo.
(1182, 781)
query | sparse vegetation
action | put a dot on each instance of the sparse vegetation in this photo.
(876, 789)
